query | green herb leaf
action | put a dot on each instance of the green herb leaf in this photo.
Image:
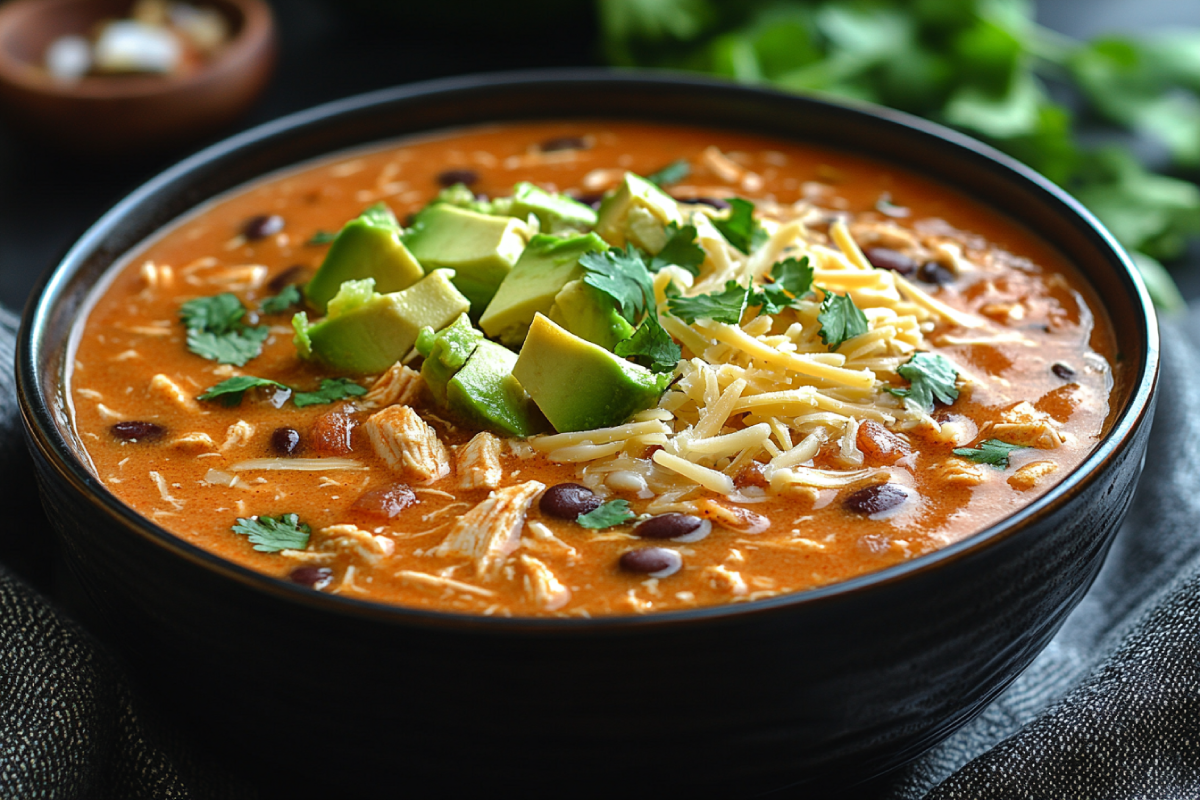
(792, 280)
(681, 250)
(215, 330)
(671, 173)
(331, 389)
(651, 346)
(724, 306)
(932, 377)
(614, 512)
(218, 314)
(230, 391)
(992, 452)
(623, 276)
(840, 320)
(281, 302)
(234, 347)
(321, 237)
(273, 534)
(739, 228)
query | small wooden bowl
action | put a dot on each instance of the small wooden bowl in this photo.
(124, 114)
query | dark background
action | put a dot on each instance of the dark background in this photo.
(332, 49)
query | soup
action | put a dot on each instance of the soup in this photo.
(588, 368)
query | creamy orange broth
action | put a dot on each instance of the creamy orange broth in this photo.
(133, 334)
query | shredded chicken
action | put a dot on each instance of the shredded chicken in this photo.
(1025, 425)
(477, 463)
(349, 540)
(542, 586)
(238, 434)
(170, 391)
(408, 444)
(489, 532)
(399, 385)
(1030, 475)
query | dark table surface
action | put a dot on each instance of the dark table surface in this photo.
(334, 49)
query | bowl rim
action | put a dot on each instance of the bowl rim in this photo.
(42, 432)
(256, 33)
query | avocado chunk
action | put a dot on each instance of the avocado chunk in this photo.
(480, 248)
(485, 393)
(445, 352)
(579, 385)
(548, 264)
(555, 212)
(590, 314)
(638, 212)
(473, 378)
(366, 332)
(368, 246)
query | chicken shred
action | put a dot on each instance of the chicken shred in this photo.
(489, 532)
(408, 444)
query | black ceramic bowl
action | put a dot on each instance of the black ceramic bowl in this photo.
(824, 688)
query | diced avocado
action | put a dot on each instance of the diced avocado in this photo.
(590, 314)
(445, 353)
(366, 332)
(548, 264)
(485, 393)
(555, 212)
(368, 246)
(638, 212)
(578, 385)
(480, 248)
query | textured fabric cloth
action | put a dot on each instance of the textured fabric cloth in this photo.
(1111, 709)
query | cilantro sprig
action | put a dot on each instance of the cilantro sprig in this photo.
(792, 280)
(671, 173)
(992, 452)
(607, 515)
(215, 330)
(231, 391)
(273, 534)
(931, 376)
(681, 250)
(840, 320)
(740, 226)
(726, 305)
(290, 296)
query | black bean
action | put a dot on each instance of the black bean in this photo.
(292, 276)
(933, 272)
(1063, 371)
(312, 577)
(386, 501)
(285, 441)
(658, 562)
(450, 177)
(592, 199)
(262, 226)
(136, 431)
(668, 526)
(714, 202)
(877, 498)
(563, 143)
(568, 501)
(887, 258)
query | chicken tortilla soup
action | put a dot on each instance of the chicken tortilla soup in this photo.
(588, 368)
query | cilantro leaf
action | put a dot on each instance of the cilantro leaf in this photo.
(932, 377)
(739, 228)
(724, 306)
(218, 314)
(230, 391)
(681, 250)
(840, 320)
(272, 534)
(623, 276)
(651, 346)
(321, 237)
(215, 330)
(671, 173)
(992, 452)
(281, 302)
(614, 512)
(234, 347)
(793, 279)
(331, 389)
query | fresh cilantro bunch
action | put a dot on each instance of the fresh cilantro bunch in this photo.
(215, 330)
(983, 66)
(272, 534)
